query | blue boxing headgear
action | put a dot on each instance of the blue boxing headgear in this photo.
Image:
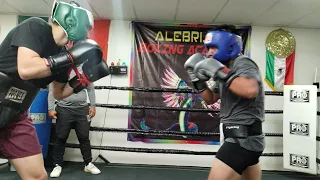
(229, 45)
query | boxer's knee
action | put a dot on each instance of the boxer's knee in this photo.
(41, 175)
(31, 167)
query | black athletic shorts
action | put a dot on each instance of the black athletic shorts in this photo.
(237, 157)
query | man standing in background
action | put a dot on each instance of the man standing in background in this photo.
(73, 112)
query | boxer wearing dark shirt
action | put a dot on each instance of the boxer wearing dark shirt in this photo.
(31, 57)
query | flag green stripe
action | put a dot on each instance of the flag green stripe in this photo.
(270, 67)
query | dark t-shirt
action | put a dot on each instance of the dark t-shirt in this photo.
(238, 110)
(35, 34)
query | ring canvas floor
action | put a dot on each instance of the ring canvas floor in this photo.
(74, 171)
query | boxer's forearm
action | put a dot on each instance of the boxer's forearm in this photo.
(244, 87)
(67, 91)
(35, 68)
(91, 95)
(51, 99)
(209, 97)
(61, 90)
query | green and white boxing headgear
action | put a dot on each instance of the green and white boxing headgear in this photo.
(75, 20)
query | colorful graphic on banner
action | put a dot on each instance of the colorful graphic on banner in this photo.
(158, 55)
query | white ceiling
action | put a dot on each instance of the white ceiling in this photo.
(285, 13)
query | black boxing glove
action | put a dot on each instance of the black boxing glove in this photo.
(89, 74)
(84, 50)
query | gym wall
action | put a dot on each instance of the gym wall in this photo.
(119, 47)
(7, 22)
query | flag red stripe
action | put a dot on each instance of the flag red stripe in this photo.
(100, 34)
(289, 69)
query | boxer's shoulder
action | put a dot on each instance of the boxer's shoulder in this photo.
(243, 60)
(35, 20)
(34, 23)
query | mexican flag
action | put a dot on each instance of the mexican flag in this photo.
(279, 71)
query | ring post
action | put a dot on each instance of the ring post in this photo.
(300, 128)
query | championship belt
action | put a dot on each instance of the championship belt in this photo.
(16, 96)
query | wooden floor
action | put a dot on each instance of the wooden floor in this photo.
(74, 171)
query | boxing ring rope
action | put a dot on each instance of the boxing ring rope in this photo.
(168, 133)
(164, 151)
(153, 89)
(120, 106)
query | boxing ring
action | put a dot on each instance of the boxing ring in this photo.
(169, 133)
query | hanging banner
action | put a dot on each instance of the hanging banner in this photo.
(159, 54)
